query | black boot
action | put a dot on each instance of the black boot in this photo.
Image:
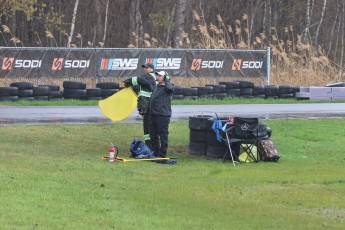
(148, 143)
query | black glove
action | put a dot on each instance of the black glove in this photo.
(128, 82)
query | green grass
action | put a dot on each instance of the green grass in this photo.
(52, 177)
(203, 101)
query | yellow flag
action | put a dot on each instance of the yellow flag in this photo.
(120, 105)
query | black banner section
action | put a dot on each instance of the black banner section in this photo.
(70, 63)
(104, 63)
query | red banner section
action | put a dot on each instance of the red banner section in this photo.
(86, 63)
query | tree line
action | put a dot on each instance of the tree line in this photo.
(293, 28)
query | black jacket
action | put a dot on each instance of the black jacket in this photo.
(160, 103)
(146, 84)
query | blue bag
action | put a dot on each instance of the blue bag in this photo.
(140, 150)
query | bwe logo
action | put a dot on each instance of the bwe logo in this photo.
(119, 63)
(165, 63)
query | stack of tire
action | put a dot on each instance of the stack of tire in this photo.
(105, 90)
(205, 91)
(286, 91)
(41, 92)
(55, 93)
(74, 90)
(178, 93)
(272, 91)
(215, 148)
(259, 91)
(8, 93)
(232, 89)
(246, 89)
(25, 90)
(218, 91)
(190, 93)
(198, 135)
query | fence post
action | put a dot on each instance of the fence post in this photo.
(268, 65)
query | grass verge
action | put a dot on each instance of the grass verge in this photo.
(52, 177)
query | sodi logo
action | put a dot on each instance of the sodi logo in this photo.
(198, 64)
(239, 64)
(59, 63)
(10, 63)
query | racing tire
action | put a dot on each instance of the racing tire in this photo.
(79, 94)
(22, 85)
(233, 92)
(191, 97)
(231, 85)
(52, 87)
(197, 135)
(220, 96)
(41, 91)
(190, 91)
(8, 98)
(178, 90)
(108, 85)
(198, 149)
(218, 88)
(217, 151)
(25, 93)
(8, 91)
(178, 97)
(74, 85)
(108, 92)
(198, 122)
(93, 92)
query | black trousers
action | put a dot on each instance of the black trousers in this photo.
(146, 125)
(159, 131)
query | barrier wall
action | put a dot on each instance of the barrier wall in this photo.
(106, 63)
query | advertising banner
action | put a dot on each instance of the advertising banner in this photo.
(124, 63)
(22, 63)
(70, 63)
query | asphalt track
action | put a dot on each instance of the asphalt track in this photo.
(30, 115)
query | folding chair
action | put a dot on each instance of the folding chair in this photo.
(244, 132)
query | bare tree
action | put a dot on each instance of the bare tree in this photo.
(106, 21)
(179, 23)
(320, 23)
(134, 17)
(145, 7)
(98, 21)
(73, 23)
(253, 15)
(342, 39)
(333, 28)
(269, 11)
(338, 34)
(170, 21)
(305, 34)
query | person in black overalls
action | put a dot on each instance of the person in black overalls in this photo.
(160, 113)
(146, 84)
